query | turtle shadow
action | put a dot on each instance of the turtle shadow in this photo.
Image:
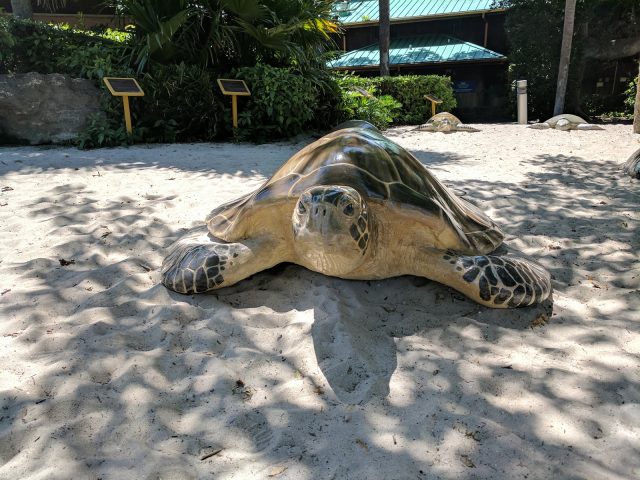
(357, 324)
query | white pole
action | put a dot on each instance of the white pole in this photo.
(521, 93)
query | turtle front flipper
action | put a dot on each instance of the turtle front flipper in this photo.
(494, 281)
(539, 126)
(198, 263)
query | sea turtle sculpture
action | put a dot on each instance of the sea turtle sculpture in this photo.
(355, 205)
(445, 122)
(565, 122)
(355, 124)
(632, 166)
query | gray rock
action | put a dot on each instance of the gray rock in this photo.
(632, 166)
(37, 108)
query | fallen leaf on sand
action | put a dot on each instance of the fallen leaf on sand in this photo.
(362, 444)
(540, 320)
(277, 470)
(466, 461)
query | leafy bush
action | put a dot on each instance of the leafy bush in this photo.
(28, 46)
(282, 103)
(379, 111)
(180, 104)
(630, 95)
(102, 131)
(409, 90)
(231, 33)
(182, 101)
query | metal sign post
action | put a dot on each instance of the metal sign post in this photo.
(125, 88)
(234, 88)
(434, 101)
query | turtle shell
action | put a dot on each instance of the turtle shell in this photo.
(380, 170)
(438, 117)
(566, 116)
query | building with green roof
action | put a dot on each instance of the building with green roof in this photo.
(464, 39)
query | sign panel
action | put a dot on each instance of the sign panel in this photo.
(233, 87)
(464, 86)
(122, 87)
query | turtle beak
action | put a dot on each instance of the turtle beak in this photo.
(319, 219)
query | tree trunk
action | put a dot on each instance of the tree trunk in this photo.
(384, 34)
(573, 98)
(22, 9)
(636, 111)
(565, 55)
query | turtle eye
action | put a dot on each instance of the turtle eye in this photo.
(301, 208)
(348, 210)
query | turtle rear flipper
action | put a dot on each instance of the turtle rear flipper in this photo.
(466, 128)
(494, 281)
(588, 126)
(197, 263)
(539, 126)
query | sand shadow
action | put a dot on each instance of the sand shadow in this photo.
(356, 324)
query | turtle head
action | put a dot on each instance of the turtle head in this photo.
(331, 228)
(444, 125)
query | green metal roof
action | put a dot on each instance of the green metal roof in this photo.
(360, 11)
(418, 49)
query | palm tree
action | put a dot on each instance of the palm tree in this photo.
(230, 33)
(636, 110)
(565, 55)
(22, 9)
(384, 33)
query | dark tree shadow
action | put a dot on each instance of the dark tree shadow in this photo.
(409, 379)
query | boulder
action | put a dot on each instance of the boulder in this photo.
(37, 108)
(632, 166)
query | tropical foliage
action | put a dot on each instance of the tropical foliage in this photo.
(605, 30)
(178, 49)
(231, 33)
(409, 91)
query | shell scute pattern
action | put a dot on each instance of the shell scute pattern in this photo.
(378, 169)
(327, 204)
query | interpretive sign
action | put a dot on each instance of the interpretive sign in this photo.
(434, 101)
(125, 88)
(121, 87)
(235, 88)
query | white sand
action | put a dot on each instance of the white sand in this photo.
(106, 374)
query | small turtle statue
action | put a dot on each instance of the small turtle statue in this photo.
(445, 122)
(565, 122)
(355, 205)
(632, 166)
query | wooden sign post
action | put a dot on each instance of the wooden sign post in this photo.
(125, 88)
(434, 101)
(234, 88)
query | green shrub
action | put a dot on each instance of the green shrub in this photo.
(102, 131)
(379, 111)
(282, 103)
(28, 46)
(630, 96)
(181, 103)
(327, 109)
(409, 90)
